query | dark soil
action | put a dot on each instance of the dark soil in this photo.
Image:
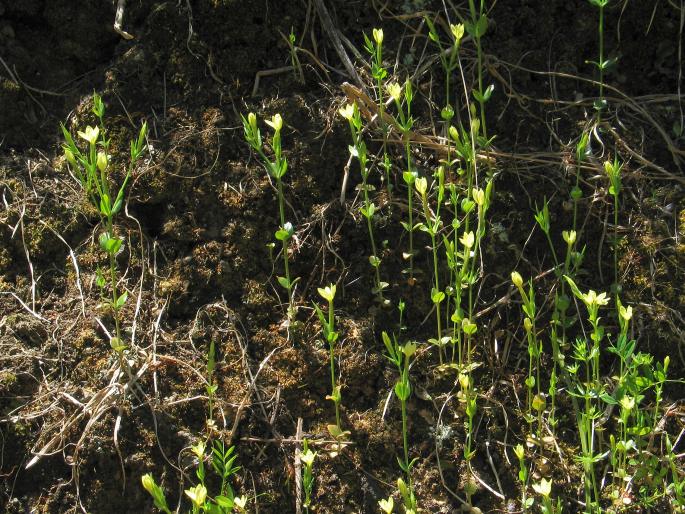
(201, 211)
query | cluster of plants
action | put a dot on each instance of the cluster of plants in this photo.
(599, 380)
(616, 415)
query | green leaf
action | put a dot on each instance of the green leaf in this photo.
(121, 300)
(285, 283)
(224, 502)
(437, 296)
(105, 205)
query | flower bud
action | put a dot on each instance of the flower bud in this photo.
(517, 279)
(421, 185)
(70, 157)
(478, 196)
(528, 324)
(102, 161)
(378, 36)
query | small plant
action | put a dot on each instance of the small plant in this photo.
(602, 64)
(307, 457)
(375, 49)
(276, 170)
(222, 462)
(476, 27)
(405, 123)
(211, 386)
(449, 59)
(523, 474)
(358, 149)
(432, 226)
(294, 58)
(331, 336)
(535, 401)
(613, 171)
(92, 168)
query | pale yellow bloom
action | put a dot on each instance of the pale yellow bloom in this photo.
(394, 90)
(328, 292)
(276, 122)
(347, 111)
(457, 31)
(467, 240)
(197, 495)
(90, 134)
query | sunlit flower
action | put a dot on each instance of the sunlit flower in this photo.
(90, 134)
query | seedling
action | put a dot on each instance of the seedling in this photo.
(358, 149)
(294, 58)
(613, 171)
(276, 169)
(331, 336)
(211, 385)
(307, 457)
(91, 167)
(374, 47)
(602, 64)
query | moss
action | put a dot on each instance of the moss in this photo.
(7, 380)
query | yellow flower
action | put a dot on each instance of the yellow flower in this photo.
(467, 240)
(197, 495)
(240, 502)
(519, 451)
(569, 236)
(592, 298)
(421, 185)
(252, 120)
(148, 482)
(328, 292)
(90, 135)
(199, 449)
(544, 488)
(102, 161)
(394, 90)
(409, 349)
(308, 457)
(626, 312)
(347, 111)
(457, 31)
(528, 324)
(378, 36)
(387, 505)
(276, 122)
(478, 196)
